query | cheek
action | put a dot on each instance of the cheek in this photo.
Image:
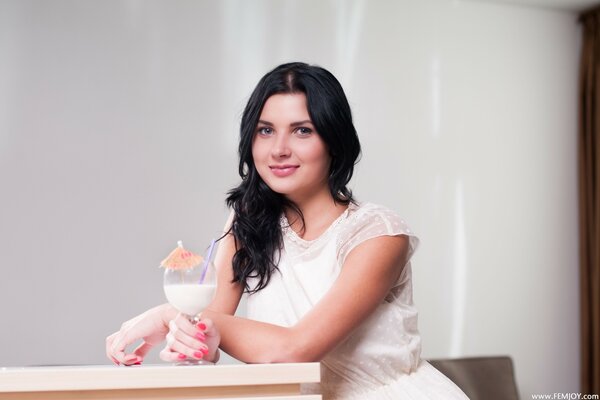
(319, 162)
(257, 151)
(260, 158)
(318, 155)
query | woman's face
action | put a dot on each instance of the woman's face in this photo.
(288, 153)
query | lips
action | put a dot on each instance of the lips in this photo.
(283, 170)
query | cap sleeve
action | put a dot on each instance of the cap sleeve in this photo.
(371, 221)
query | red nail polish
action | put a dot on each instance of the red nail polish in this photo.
(201, 325)
(201, 336)
(198, 354)
(205, 351)
(181, 356)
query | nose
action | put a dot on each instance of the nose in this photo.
(281, 146)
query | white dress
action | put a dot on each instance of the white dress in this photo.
(380, 360)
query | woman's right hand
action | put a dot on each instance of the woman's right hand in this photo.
(196, 341)
(150, 326)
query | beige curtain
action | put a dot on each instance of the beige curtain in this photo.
(589, 187)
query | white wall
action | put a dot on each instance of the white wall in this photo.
(118, 130)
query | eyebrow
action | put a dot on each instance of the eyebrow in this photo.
(306, 121)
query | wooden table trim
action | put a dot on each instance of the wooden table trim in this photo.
(228, 381)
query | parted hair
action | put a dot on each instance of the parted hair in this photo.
(256, 224)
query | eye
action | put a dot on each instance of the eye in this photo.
(264, 130)
(303, 131)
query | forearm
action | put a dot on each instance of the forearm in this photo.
(166, 313)
(258, 342)
(348, 304)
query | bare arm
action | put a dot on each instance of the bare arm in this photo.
(228, 294)
(153, 325)
(202, 341)
(366, 278)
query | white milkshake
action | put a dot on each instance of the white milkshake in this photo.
(190, 298)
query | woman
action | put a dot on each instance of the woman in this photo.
(329, 278)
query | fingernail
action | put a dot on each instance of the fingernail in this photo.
(198, 354)
(201, 325)
(204, 350)
(181, 356)
(201, 336)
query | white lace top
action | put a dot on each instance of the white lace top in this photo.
(381, 358)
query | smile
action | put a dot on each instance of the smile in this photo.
(283, 170)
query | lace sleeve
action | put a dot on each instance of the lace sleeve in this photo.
(372, 221)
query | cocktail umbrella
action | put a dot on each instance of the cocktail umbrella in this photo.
(180, 258)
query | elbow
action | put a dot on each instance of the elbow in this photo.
(293, 348)
(300, 354)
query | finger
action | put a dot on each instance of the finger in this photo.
(142, 350)
(195, 342)
(213, 338)
(170, 338)
(109, 346)
(185, 325)
(118, 350)
(131, 359)
(177, 346)
(114, 360)
(207, 326)
(169, 355)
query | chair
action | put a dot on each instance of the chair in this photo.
(481, 378)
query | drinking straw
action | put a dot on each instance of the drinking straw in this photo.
(207, 260)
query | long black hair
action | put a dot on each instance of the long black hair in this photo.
(257, 209)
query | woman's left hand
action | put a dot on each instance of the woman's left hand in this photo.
(185, 340)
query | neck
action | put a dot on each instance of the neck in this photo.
(319, 211)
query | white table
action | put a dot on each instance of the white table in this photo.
(235, 381)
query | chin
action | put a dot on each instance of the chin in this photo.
(281, 189)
